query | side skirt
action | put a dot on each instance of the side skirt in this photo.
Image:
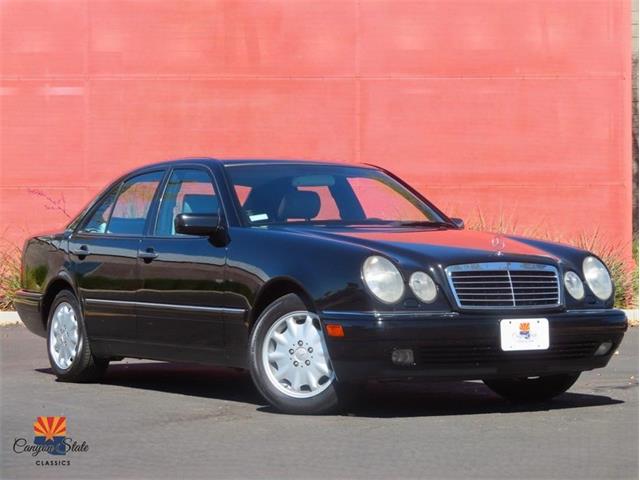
(152, 351)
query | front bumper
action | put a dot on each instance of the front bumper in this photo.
(451, 345)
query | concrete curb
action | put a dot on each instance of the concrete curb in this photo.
(11, 318)
(633, 316)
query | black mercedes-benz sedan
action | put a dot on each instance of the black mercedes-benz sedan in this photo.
(316, 277)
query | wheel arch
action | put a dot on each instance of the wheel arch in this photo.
(55, 286)
(274, 289)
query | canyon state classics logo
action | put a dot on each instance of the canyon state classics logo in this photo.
(51, 432)
(50, 438)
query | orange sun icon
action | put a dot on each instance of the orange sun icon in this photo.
(50, 427)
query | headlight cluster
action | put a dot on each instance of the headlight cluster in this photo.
(573, 284)
(385, 282)
(383, 279)
(423, 287)
(597, 277)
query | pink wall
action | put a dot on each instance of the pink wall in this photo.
(519, 108)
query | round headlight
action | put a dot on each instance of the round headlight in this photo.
(383, 279)
(423, 287)
(597, 277)
(574, 285)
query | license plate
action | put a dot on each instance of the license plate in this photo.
(524, 334)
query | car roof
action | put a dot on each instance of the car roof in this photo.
(245, 161)
(275, 161)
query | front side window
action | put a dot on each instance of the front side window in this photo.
(132, 206)
(188, 191)
(97, 223)
(324, 194)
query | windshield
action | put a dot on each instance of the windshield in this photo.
(277, 194)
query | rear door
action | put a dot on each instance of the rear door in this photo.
(104, 256)
(182, 300)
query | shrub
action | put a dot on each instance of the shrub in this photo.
(9, 276)
(636, 271)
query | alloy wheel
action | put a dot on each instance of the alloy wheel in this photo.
(64, 336)
(295, 357)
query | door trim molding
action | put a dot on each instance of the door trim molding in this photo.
(170, 306)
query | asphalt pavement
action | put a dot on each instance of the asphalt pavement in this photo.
(159, 420)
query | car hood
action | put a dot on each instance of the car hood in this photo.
(449, 246)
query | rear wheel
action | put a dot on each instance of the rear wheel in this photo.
(538, 389)
(289, 360)
(67, 342)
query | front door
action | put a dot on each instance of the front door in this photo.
(104, 254)
(182, 300)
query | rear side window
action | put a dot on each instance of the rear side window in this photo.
(132, 206)
(188, 191)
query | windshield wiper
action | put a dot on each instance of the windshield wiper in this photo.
(426, 223)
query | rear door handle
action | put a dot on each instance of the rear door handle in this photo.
(148, 255)
(81, 251)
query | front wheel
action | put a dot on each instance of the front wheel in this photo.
(538, 389)
(289, 360)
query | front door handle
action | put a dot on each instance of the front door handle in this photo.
(148, 255)
(81, 251)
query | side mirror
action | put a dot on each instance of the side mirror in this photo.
(209, 225)
(458, 222)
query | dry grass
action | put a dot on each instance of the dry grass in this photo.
(9, 275)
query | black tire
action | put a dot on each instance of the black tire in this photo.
(530, 390)
(327, 401)
(84, 367)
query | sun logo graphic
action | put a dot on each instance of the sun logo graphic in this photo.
(51, 432)
(525, 331)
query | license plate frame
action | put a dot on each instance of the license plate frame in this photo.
(524, 334)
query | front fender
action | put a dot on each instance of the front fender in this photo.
(327, 270)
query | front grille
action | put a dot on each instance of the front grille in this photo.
(504, 285)
(489, 354)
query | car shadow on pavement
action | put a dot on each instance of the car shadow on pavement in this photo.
(444, 398)
(377, 400)
(184, 379)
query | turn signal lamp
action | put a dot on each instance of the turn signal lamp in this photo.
(335, 330)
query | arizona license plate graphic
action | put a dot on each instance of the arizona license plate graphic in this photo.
(524, 334)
